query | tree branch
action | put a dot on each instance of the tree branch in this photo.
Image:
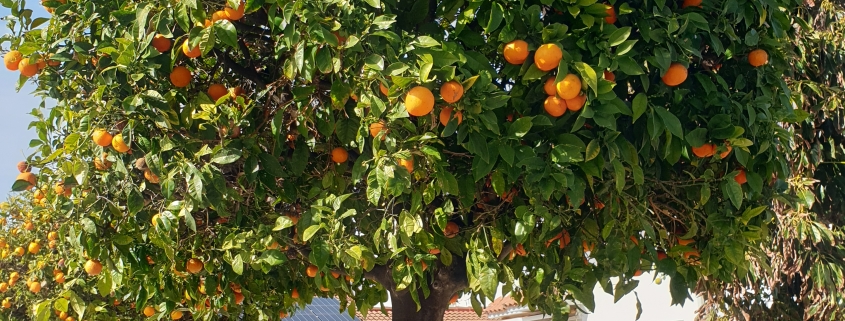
(248, 73)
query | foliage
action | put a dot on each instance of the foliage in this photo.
(247, 184)
(802, 278)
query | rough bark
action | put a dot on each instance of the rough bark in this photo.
(443, 284)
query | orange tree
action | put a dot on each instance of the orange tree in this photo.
(235, 159)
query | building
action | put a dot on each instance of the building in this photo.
(502, 309)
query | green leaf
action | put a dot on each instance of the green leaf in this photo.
(226, 156)
(374, 3)
(630, 67)
(489, 282)
(593, 150)
(273, 257)
(520, 127)
(122, 239)
(619, 36)
(238, 264)
(639, 105)
(226, 32)
(310, 232)
(751, 213)
(733, 191)
(588, 74)
(497, 14)
(670, 121)
(697, 137)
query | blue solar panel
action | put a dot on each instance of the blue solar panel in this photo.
(321, 309)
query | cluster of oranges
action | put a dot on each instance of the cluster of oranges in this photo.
(180, 76)
(103, 138)
(563, 95)
(28, 67)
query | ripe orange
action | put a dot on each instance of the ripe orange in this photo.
(451, 91)
(235, 92)
(548, 57)
(339, 155)
(685, 241)
(190, 52)
(4, 287)
(160, 43)
(384, 91)
(705, 150)
(675, 75)
(180, 77)
(34, 247)
(12, 59)
(149, 176)
(93, 267)
(452, 230)
(419, 101)
(101, 137)
(554, 106)
(690, 254)
(609, 76)
(434, 251)
(611, 14)
(118, 144)
(638, 272)
(194, 265)
(294, 294)
(727, 151)
(101, 163)
(52, 236)
(408, 164)
(569, 87)
(175, 315)
(26, 68)
(235, 14)
(519, 249)
(23, 167)
(758, 57)
(549, 87)
(29, 226)
(516, 52)
(740, 177)
(377, 127)
(59, 278)
(311, 271)
(239, 298)
(19, 251)
(575, 104)
(149, 311)
(35, 287)
(28, 177)
(216, 91)
(446, 115)
(219, 15)
(454, 299)
(691, 3)
(588, 247)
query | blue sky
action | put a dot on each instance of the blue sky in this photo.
(14, 135)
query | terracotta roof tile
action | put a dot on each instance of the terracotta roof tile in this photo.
(501, 304)
(453, 314)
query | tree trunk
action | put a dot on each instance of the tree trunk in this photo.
(431, 309)
(444, 282)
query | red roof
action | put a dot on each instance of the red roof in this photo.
(501, 304)
(453, 314)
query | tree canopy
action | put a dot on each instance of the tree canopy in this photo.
(211, 159)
